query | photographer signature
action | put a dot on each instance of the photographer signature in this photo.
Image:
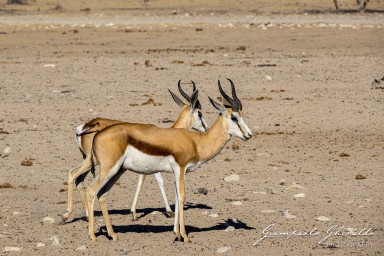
(334, 231)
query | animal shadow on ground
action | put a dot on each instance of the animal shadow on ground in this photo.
(144, 212)
(161, 229)
(145, 228)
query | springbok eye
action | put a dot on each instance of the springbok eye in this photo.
(234, 119)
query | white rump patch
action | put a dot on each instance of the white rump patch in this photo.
(79, 129)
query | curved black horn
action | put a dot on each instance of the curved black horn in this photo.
(234, 96)
(182, 92)
(193, 86)
(230, 101)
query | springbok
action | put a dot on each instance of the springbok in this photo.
(147, 149)
(190, 117)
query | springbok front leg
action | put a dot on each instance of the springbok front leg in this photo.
(160, 181)
(176, 221)
(179, 226)
(168, 211)
(136, 198)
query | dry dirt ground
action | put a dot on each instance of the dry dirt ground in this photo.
(303, 73)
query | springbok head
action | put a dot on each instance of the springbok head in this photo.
(232, 111)
(192, 109)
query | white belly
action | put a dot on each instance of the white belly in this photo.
(142, 163)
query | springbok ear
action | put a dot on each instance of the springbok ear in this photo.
(194, 100)
(217, 105)
(176, 99)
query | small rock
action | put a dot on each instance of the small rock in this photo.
(223, 249)
(213, 215)
(55, 240)
(40, 244)
(260, 192)
(378, 83)
(241, 48)
(12, 249)
(272, 192)
(203, 191)
(147, 63)
(288, 215)
(230, 229)
(16, 213)
(26, 162)
(349, 202)
(6, 152)
(282, 182)
(322, 218)
(49, 65)
(360, 177)
(48, 220)
(269, 78)
(81, 248)
(299, 195)
(232, 177)
(263, 154)
(295, 186)
(235, 147)
(124, 250)
(237, 203)
(268, 211)
(6, 185)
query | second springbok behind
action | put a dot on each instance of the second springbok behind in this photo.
(146, 149)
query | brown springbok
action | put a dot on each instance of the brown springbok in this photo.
(146, 149)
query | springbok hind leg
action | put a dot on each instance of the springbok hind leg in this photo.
(76, 175)
(102, 196)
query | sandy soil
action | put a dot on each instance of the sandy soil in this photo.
(303, 73)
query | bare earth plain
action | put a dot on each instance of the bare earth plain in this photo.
(303, 73)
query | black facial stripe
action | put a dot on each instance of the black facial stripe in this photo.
(241, 129)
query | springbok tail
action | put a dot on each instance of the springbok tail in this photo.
(81, 132)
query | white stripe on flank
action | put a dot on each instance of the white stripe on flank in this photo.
(142, 163)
